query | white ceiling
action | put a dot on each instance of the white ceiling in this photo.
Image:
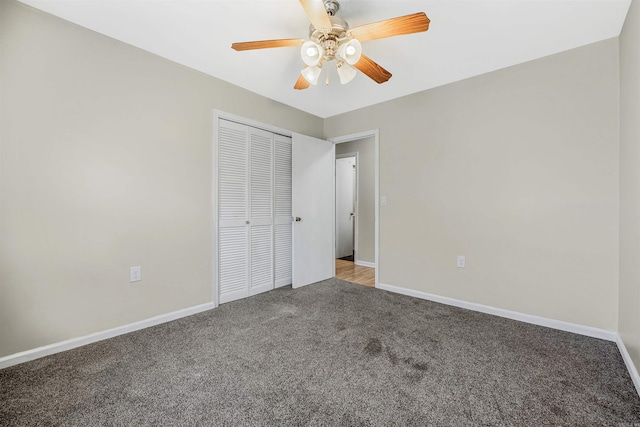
(466, 38)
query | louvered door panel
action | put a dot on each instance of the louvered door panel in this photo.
(233, 263)
(282, 175)
(261, 175)
(283, 254)
(283, 233)
(233, 172)
(261, 208)
(233, 211)
(261, 259)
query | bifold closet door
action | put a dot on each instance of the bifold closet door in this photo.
(233, 208)
(246, 193)
(283, 211)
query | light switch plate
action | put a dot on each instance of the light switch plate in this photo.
(383, 201)
(135, 274)
(461, 261)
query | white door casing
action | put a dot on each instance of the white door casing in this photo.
(313, 184)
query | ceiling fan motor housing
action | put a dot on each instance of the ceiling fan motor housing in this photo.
(332, 39)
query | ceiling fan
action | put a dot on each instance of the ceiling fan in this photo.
(331, 39)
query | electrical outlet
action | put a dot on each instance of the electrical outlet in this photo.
(461, 261)
(383, 201)
(135, 274)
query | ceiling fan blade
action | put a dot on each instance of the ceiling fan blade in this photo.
(408, 24)
(302, 83)
(264, 44)
(373, 70)
(317, 14)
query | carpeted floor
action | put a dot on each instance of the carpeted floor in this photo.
(332, 353)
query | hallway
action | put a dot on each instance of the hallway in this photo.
(350, 272)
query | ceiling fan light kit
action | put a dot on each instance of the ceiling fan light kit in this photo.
(330, 39)
(311, 74)
(350, 51)
(312, 53)
(345, 71)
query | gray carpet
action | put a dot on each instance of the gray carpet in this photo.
(332, 353)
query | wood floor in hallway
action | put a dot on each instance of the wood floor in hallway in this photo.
(350, 272)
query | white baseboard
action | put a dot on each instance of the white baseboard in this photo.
(635, 377)
(527, 318)
(365, 263)
(36, 353)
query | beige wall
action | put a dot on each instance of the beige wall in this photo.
(629, 320)
(518, 171)
(105, 163)
(366, 203)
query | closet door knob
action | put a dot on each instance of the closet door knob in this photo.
(298, 219)
(246, 222)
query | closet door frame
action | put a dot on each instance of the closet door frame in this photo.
(217, 115)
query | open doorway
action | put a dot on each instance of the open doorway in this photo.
(355, 209)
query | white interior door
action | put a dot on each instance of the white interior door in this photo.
(345, 208)
(313, 162)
